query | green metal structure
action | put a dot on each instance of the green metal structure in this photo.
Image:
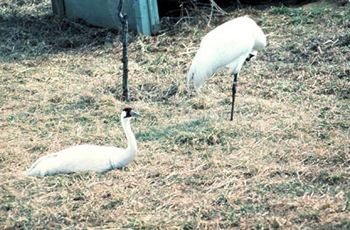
(142, 14)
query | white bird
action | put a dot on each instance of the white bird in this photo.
(94, 158)
(228, 45)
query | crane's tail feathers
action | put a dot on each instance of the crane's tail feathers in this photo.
(35, 172)
(29, 172)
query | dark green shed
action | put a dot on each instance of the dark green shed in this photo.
(143, 14)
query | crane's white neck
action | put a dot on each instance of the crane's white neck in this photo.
(132, 146)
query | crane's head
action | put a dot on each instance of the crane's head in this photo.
(127, 113)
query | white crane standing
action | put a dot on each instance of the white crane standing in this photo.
(94, 158)
(228, 45)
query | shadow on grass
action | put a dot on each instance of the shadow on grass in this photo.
(170, 132)
(197, 133)
(24, 36)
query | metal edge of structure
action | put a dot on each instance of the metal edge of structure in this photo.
(143, 18)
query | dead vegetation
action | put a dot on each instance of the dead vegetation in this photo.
(283, 163)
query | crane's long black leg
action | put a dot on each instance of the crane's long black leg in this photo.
(233, 93)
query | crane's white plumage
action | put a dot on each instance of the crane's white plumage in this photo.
(228, 45)
(94, 158)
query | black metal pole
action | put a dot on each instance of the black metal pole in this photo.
(124, 21)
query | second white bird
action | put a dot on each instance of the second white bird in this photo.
(228, 45)
(94, 158)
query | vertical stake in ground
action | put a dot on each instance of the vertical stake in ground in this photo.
(123, 18)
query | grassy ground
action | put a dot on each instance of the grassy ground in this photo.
(282, 163)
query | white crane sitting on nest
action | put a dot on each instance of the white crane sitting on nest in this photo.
(94, 158)
(228, 45)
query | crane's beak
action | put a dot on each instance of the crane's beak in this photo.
(133, 114)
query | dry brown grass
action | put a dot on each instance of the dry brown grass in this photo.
(283, 163)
